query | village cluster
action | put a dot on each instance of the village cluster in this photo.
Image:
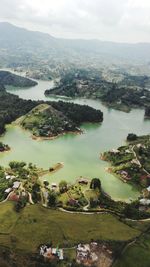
(86, 254)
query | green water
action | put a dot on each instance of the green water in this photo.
(80, 153)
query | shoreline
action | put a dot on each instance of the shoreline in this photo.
(42, 138)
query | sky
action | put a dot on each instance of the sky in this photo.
(107, 20)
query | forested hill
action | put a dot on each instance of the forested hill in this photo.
(8, 78)
(2, 88)
(131, 92)
(21, 46)
(13, 107)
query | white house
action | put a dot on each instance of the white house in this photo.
(16, 185)
(145, 201)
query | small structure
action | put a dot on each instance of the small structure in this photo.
(51, 253)
(83, 252)
(148, 188)
(16, 185)
(8, 190)
(145, 201)
(14, 197)
(82, 180)
(93, 254)
(115, 151)
(8, 177)
(125, 176)
(53, 186)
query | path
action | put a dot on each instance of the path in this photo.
(7, 197)
(139, 163)
(30, 198)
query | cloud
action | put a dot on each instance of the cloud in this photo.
(116, 20)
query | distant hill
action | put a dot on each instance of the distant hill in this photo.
(21, 46)
(8, 78)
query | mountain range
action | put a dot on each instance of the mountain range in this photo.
(19, 46)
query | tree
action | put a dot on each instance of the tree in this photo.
(52, 199)
(131, 137)
(36, 195)
(46, 183)
(93, 202)
(16, 164)
(63, 186)
(131, 210)
(20, 204)
(95, 183)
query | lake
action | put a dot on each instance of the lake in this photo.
(80, 153)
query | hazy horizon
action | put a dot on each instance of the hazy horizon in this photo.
(104, 20)
(83, 39)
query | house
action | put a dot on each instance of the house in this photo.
(83, 181)
(115, 151)
(8, 190)
(60, 254)
(83, 251)
(8, 177)
(145, 201)
(53, 186)
(13, 197)
(87, 254)
(148, 188)
(16, 185)
(124, 173)
(72, 202)
(51, 253)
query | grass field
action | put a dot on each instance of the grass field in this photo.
(136, 255)
(35, 225)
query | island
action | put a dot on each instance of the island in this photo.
(130, 92)
(4, 147)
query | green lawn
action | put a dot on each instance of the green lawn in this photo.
(137, 255)
(36, 225)
(90, 193)
(8, 217)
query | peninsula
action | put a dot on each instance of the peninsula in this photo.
(45, 119)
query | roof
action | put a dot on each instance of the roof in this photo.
(8, 190)
(54, 250)
(145, 201)
(148, 188)
(16, 184)
(54, 185)
(8, 177)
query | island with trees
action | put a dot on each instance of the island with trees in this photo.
(130, 92)
(4, 147)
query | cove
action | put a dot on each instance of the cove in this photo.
(80, 153)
